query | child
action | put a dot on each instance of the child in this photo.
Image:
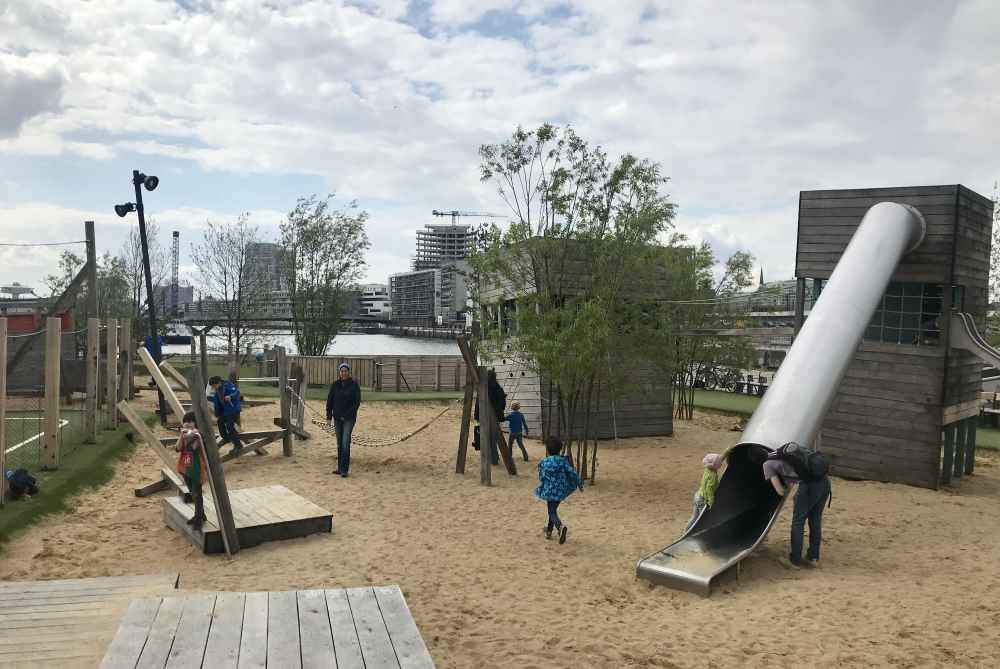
(226, 399)
(558, 480)
(189, 465)
(709, 482)
(518, 428)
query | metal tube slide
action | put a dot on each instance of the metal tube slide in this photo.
(793, 408)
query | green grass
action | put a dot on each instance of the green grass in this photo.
(713, 400)
(86, 467)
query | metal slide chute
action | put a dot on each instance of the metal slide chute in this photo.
(964, 334)
(793, 408)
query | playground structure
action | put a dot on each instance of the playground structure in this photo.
(906, 381)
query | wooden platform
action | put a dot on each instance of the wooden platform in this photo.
(261, 514)
(367, 628)
(68, 623)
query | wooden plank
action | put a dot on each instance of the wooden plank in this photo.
(192, 632)
(463, 437)
(960, 436)
(126, 345)
(403, 633)
(223, 647)
(345, 636)
(126, 647)
(253, 643)
(314, 628)
(283, 648)
(165, 579)
(171, 371)
(53, 348)
(376, 647)
(485, 433)
(111, 377)
(162, 383)
(970, 446)
(161, 634)
(146, 434)
(286, 405)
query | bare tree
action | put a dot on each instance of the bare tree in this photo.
(237, 289)
(130, 258)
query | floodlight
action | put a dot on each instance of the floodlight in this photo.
(151, 182)
(123, 209)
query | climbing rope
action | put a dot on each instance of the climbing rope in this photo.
(362, 439)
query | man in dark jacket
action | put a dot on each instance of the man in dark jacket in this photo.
(342, 411)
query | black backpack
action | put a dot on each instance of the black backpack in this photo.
(809, 464)
(22, 483)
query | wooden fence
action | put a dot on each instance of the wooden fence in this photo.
(405, 373)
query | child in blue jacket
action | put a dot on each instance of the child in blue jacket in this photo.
(518, 428)
(227, 403)
(558, 480)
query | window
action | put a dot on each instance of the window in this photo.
(910, 313)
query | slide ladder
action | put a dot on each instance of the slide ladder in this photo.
(746, 506)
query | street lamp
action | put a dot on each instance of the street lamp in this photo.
(150, 182)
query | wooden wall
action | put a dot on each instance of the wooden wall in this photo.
(410, 373)
(887, 419)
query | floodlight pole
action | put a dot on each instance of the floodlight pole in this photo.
(154, 337)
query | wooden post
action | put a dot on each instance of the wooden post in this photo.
(112, 375)
(203, 345)
(125, 343)
(286, 407)
(970, 445)
(53, 350)
(505, 453)
(91, 239)
(3, 410)
(399, 372)
(93, 364)
(959, 449)
(194, 348)
(216, 477)
(463, 437)
(948, 463)
(485, 433)
(437, 374)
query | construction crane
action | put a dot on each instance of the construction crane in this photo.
(455, 214)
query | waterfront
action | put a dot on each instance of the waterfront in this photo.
(349, 345)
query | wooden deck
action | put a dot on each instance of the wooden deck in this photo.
(368, 628)
(67, 623)
(261, 514)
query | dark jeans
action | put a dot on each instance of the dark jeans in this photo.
(343, 427)
(494, 442)
(553, 515)
(194, 485)
(228, 432)
(810, 500)
(519, 438)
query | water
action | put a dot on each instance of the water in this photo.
(350, 344)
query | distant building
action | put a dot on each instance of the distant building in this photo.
(441, 245)
(374, 302)
(430, 297)
(164, 296)
(263, 265)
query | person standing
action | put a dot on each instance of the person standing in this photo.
(793, 465)
(556, 481)
(518, 428)
(190, 466)
(342, 411)
(227, 403)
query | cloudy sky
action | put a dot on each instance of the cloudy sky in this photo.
(244, 105)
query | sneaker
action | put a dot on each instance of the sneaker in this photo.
(343, 475)
(788, 564)
(562, 534)
(548, 532)
(812, 564)
(236, 450)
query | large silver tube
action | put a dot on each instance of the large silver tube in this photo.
(807, 381)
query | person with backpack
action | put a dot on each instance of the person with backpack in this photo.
(191, 465)
(557, 481)
(20, 483)
(791, 465)
(227, 403)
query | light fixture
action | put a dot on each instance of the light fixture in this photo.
(123, 209)
(151, 182)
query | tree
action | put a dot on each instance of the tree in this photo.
(322, 257)
(992, 318)
(573, 266)
(130, 259)
(237, 288)
(69, 265)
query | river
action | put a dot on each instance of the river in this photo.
(351, 344)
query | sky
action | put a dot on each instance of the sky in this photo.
(244, 106)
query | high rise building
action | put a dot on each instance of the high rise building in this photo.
(263, 263)
(439, 245)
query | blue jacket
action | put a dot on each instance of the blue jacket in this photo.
(517, 422)
(223, 408)
(558, 479)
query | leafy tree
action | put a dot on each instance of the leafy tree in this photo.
(322, 258)
(228, 275)
(584, 246)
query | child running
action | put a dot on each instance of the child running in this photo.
(709, 482)
(189, 465)
(518, 428)
(558, 480)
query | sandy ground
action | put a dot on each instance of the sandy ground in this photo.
(910, 576)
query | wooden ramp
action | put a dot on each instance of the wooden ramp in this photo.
(261, 514)
(68, 623)
(364, 628)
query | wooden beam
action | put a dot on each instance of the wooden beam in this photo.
(463, 437)
(960, 430)
(128, 346)
(286, 407)
(301, 434)
(470, 363)
(147, 435)
(3, 411)
(53, 351)
(970, 446)
(485, 433)
(92, 363)
(112, 375)
(173, 373)
(216, 477)
(162, 383)
(948, 462)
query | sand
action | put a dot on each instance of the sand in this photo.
(909, 576)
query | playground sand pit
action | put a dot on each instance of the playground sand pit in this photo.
(909, 576)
